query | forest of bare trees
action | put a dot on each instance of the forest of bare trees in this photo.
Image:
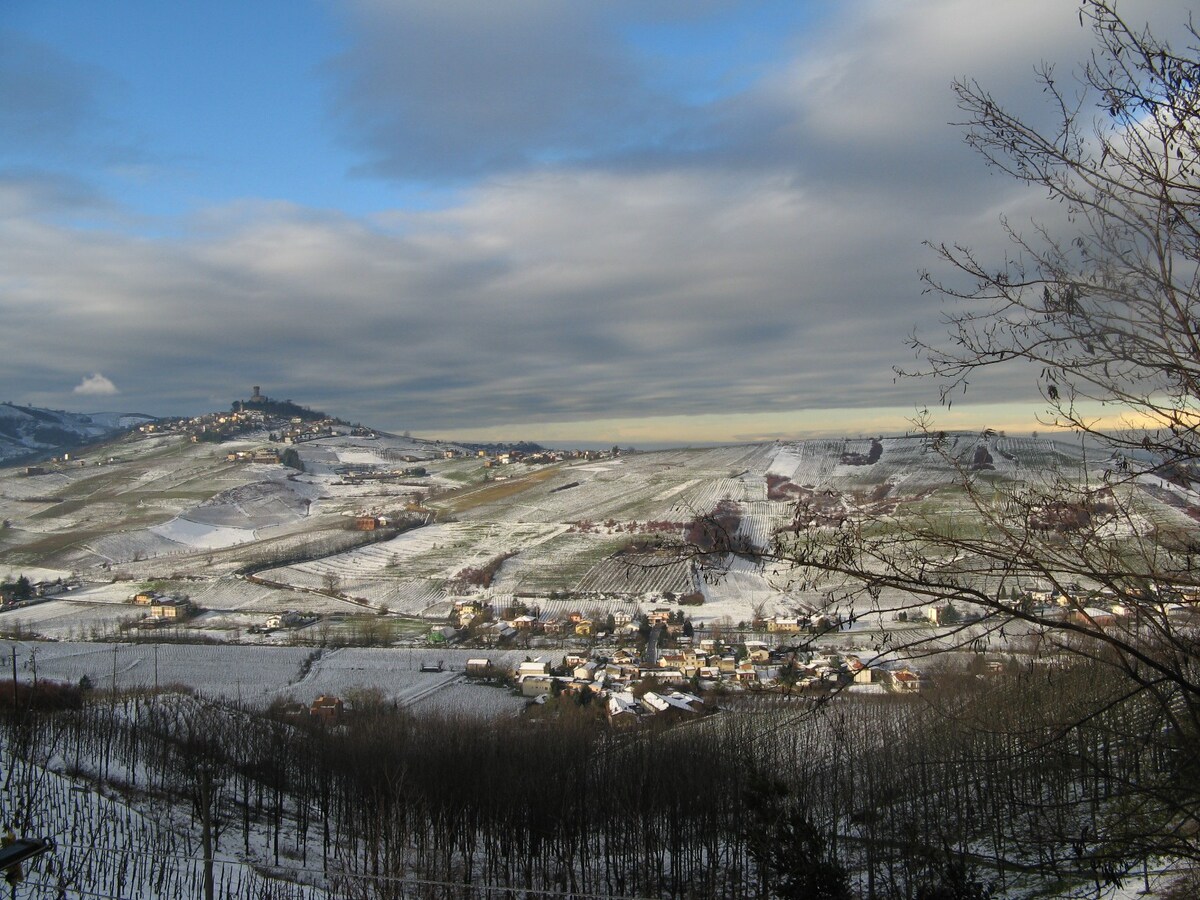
(999, 783)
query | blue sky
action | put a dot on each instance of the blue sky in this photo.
(689, 219)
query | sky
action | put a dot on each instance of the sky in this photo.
(677, 221)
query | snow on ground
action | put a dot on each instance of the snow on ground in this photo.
(272, 501)
(675, 489)
(1192, 498)
(257, 675)
(638, 574)
(198, 536)
(33, 573)
(107, 845)
(476, 701)
(396, 674)
(360, 457)
(25, 487)
(165, 528)
(786, 460)
(741, 587)
(71, 619)
(600, 467)
(125, 547)
(435, 552)
(233, 594)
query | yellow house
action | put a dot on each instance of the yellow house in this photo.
(171, 608)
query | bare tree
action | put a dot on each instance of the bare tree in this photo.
(1103, 312)
(331, 582)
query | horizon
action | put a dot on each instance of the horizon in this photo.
(558, 435)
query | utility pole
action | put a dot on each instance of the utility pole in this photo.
(14, 662)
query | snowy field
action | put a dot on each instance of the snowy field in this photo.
(179, 513)
(258, 675)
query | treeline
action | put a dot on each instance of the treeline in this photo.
(473, 577)
(994, 785)
(718, 531)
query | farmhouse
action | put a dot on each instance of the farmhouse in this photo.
(675, 702)
(536, 685)
(532, 667)
(327, 710)
(757, 651)
(479, 666)
(623, 710)
(589, 671)
(784, 624)
(284, 620)
(176, 608)
(1093, 615)
(906, 680)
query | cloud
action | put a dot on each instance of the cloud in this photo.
(460, 89)
(95, 385)
(554, 296)
(33, 192)
(596, 268)
(50, 105)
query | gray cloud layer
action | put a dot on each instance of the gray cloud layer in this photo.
(622, 253)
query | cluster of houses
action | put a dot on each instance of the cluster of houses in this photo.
(635, 686)
(220, 426)
(363, 473)
(508, 457)
(208, 427)
(267, 455)
(634, 691)
(163, 609)
(474, 619)
(1095, 608)
(23, 592)
(299, 431)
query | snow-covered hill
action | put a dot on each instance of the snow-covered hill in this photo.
(27, 432)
